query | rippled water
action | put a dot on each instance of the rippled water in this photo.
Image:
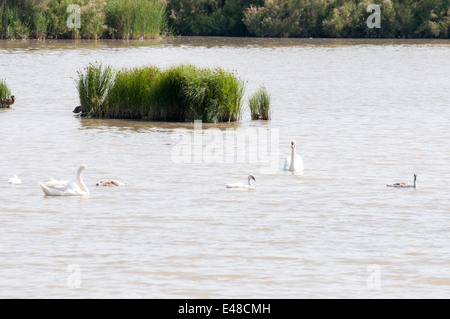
(364, 113)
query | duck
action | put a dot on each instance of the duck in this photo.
(78, 109)
(242, 185)
(404, 184)
(8, 102)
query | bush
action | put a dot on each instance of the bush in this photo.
(209, 17)
(347, 18)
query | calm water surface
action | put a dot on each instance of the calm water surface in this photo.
(363, 113)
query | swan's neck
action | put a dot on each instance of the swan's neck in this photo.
(80, 181)
(415, 182)
(292, 166)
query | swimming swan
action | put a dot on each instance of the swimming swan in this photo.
(294, 162)
(404, 184)
(242, 185)
(15, 180)
(62, 188)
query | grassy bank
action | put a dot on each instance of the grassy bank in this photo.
(179, 93)
(123, 19)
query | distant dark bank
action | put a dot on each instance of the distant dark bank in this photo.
(136, 19)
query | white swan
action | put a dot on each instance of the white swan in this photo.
(242, 185)
(294, 162)
(15, 180)
(404, 184)
(62, 188)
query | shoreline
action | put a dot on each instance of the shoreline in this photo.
(201, 40)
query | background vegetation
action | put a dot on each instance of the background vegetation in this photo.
(124, 19)
(131, 19)
(309, 18)
(209, 17)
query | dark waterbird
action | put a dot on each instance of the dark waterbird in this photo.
(8, 102)
(77, 110)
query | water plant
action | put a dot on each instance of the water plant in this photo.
(93, 85)
(179, 93)
(5, 91)
(212, 95)
(259, 104)
(130, 97)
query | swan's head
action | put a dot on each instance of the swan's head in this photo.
(415, 176)
(293, 144)
(82, 167)
(251, 177)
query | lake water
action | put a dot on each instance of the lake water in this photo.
(364, 113)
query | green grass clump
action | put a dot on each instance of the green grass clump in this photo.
(259, 104)
(93, 85)
(212, 95)
(5, 91)
(177, 94)
(131, 94)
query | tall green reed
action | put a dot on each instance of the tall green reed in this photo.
(5, 91)
(133, 19)
(259, 104)
(130, 97)
(93, 85)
